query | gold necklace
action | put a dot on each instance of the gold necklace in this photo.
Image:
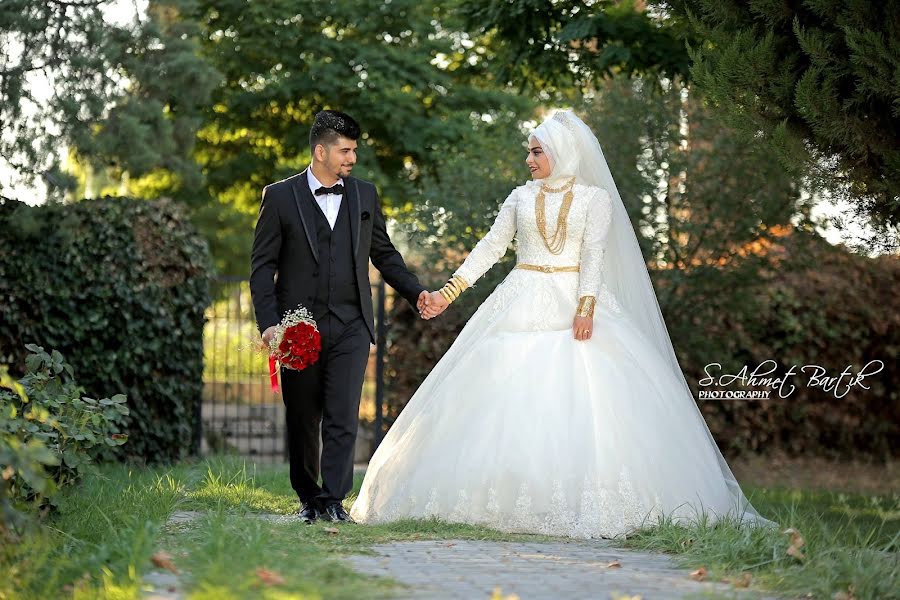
(556, 243)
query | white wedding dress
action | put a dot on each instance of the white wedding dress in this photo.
(522, 428)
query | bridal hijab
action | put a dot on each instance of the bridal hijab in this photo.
(574, 151)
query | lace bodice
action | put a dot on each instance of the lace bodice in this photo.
(588, 225)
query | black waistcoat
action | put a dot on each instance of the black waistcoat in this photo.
(336, 289)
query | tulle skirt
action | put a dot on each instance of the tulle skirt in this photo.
(522, 428)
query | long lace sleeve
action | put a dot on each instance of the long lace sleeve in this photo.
(593, 245)
(493, 245)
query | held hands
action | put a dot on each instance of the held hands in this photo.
(437, 302)
(433, 306)
(422, 303)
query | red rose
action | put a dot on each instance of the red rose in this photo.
(300, 346)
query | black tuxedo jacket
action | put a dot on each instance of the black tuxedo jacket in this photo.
(285, 250)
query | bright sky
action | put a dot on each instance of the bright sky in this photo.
(123, 11)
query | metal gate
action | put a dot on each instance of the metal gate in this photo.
(240, 414)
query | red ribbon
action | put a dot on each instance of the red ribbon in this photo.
(273, 375)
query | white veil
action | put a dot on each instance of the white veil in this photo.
(573, 149)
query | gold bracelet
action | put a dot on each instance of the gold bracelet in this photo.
(586, 306)
(453, 288)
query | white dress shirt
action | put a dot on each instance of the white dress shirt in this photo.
(329, 203)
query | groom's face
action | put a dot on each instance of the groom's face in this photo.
(339, 157)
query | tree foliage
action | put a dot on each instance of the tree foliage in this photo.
(814, 82)
(124, 98)
(406, 70)
(818, 81)
(548, 46)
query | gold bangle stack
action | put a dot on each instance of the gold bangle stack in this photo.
(453, 288)
(586, 306)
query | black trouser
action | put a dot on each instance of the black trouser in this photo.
(326, 394)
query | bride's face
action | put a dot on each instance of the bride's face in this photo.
(537, 160)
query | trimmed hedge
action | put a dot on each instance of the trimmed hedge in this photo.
(119, 286)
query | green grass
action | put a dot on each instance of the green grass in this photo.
(850, 542)
(100, 542)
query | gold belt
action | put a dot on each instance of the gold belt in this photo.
(547, 268)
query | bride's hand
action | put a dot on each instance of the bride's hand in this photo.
(436, 305)
(583, 328)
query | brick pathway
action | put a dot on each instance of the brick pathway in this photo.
(467, 569)
(535, 570)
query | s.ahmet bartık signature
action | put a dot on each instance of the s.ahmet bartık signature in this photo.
(839, 385)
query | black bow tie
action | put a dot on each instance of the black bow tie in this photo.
(335, 189)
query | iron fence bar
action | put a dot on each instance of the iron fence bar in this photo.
(379, 363)
(230, 380)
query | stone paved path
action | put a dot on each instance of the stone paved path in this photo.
(467, 569)
(535, 570)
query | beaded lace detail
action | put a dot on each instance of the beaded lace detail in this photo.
(588, 510)
(588, 223)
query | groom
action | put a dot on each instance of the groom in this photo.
(315, 235)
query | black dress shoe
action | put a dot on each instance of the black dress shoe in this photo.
(335, 512)
(308, 513)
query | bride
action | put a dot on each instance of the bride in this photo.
(561, 408)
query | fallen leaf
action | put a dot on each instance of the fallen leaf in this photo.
(331, 530)
(797, 542)
(743, 581)
(163, 560)
(498, 595)
(699, 574)
(842, 595)
(269, 577)
(614, 564)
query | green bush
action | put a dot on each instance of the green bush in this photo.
(838, 309)
(49, 432)
(18, 460)
(119, 286)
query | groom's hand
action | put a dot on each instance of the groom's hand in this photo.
(268, 334)
(436, 305)
(422, 302)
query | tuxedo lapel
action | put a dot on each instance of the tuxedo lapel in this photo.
(352, 196)
(305, 201)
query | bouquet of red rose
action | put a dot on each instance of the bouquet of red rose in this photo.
(295, 345)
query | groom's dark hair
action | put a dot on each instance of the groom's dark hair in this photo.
(329, 125)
